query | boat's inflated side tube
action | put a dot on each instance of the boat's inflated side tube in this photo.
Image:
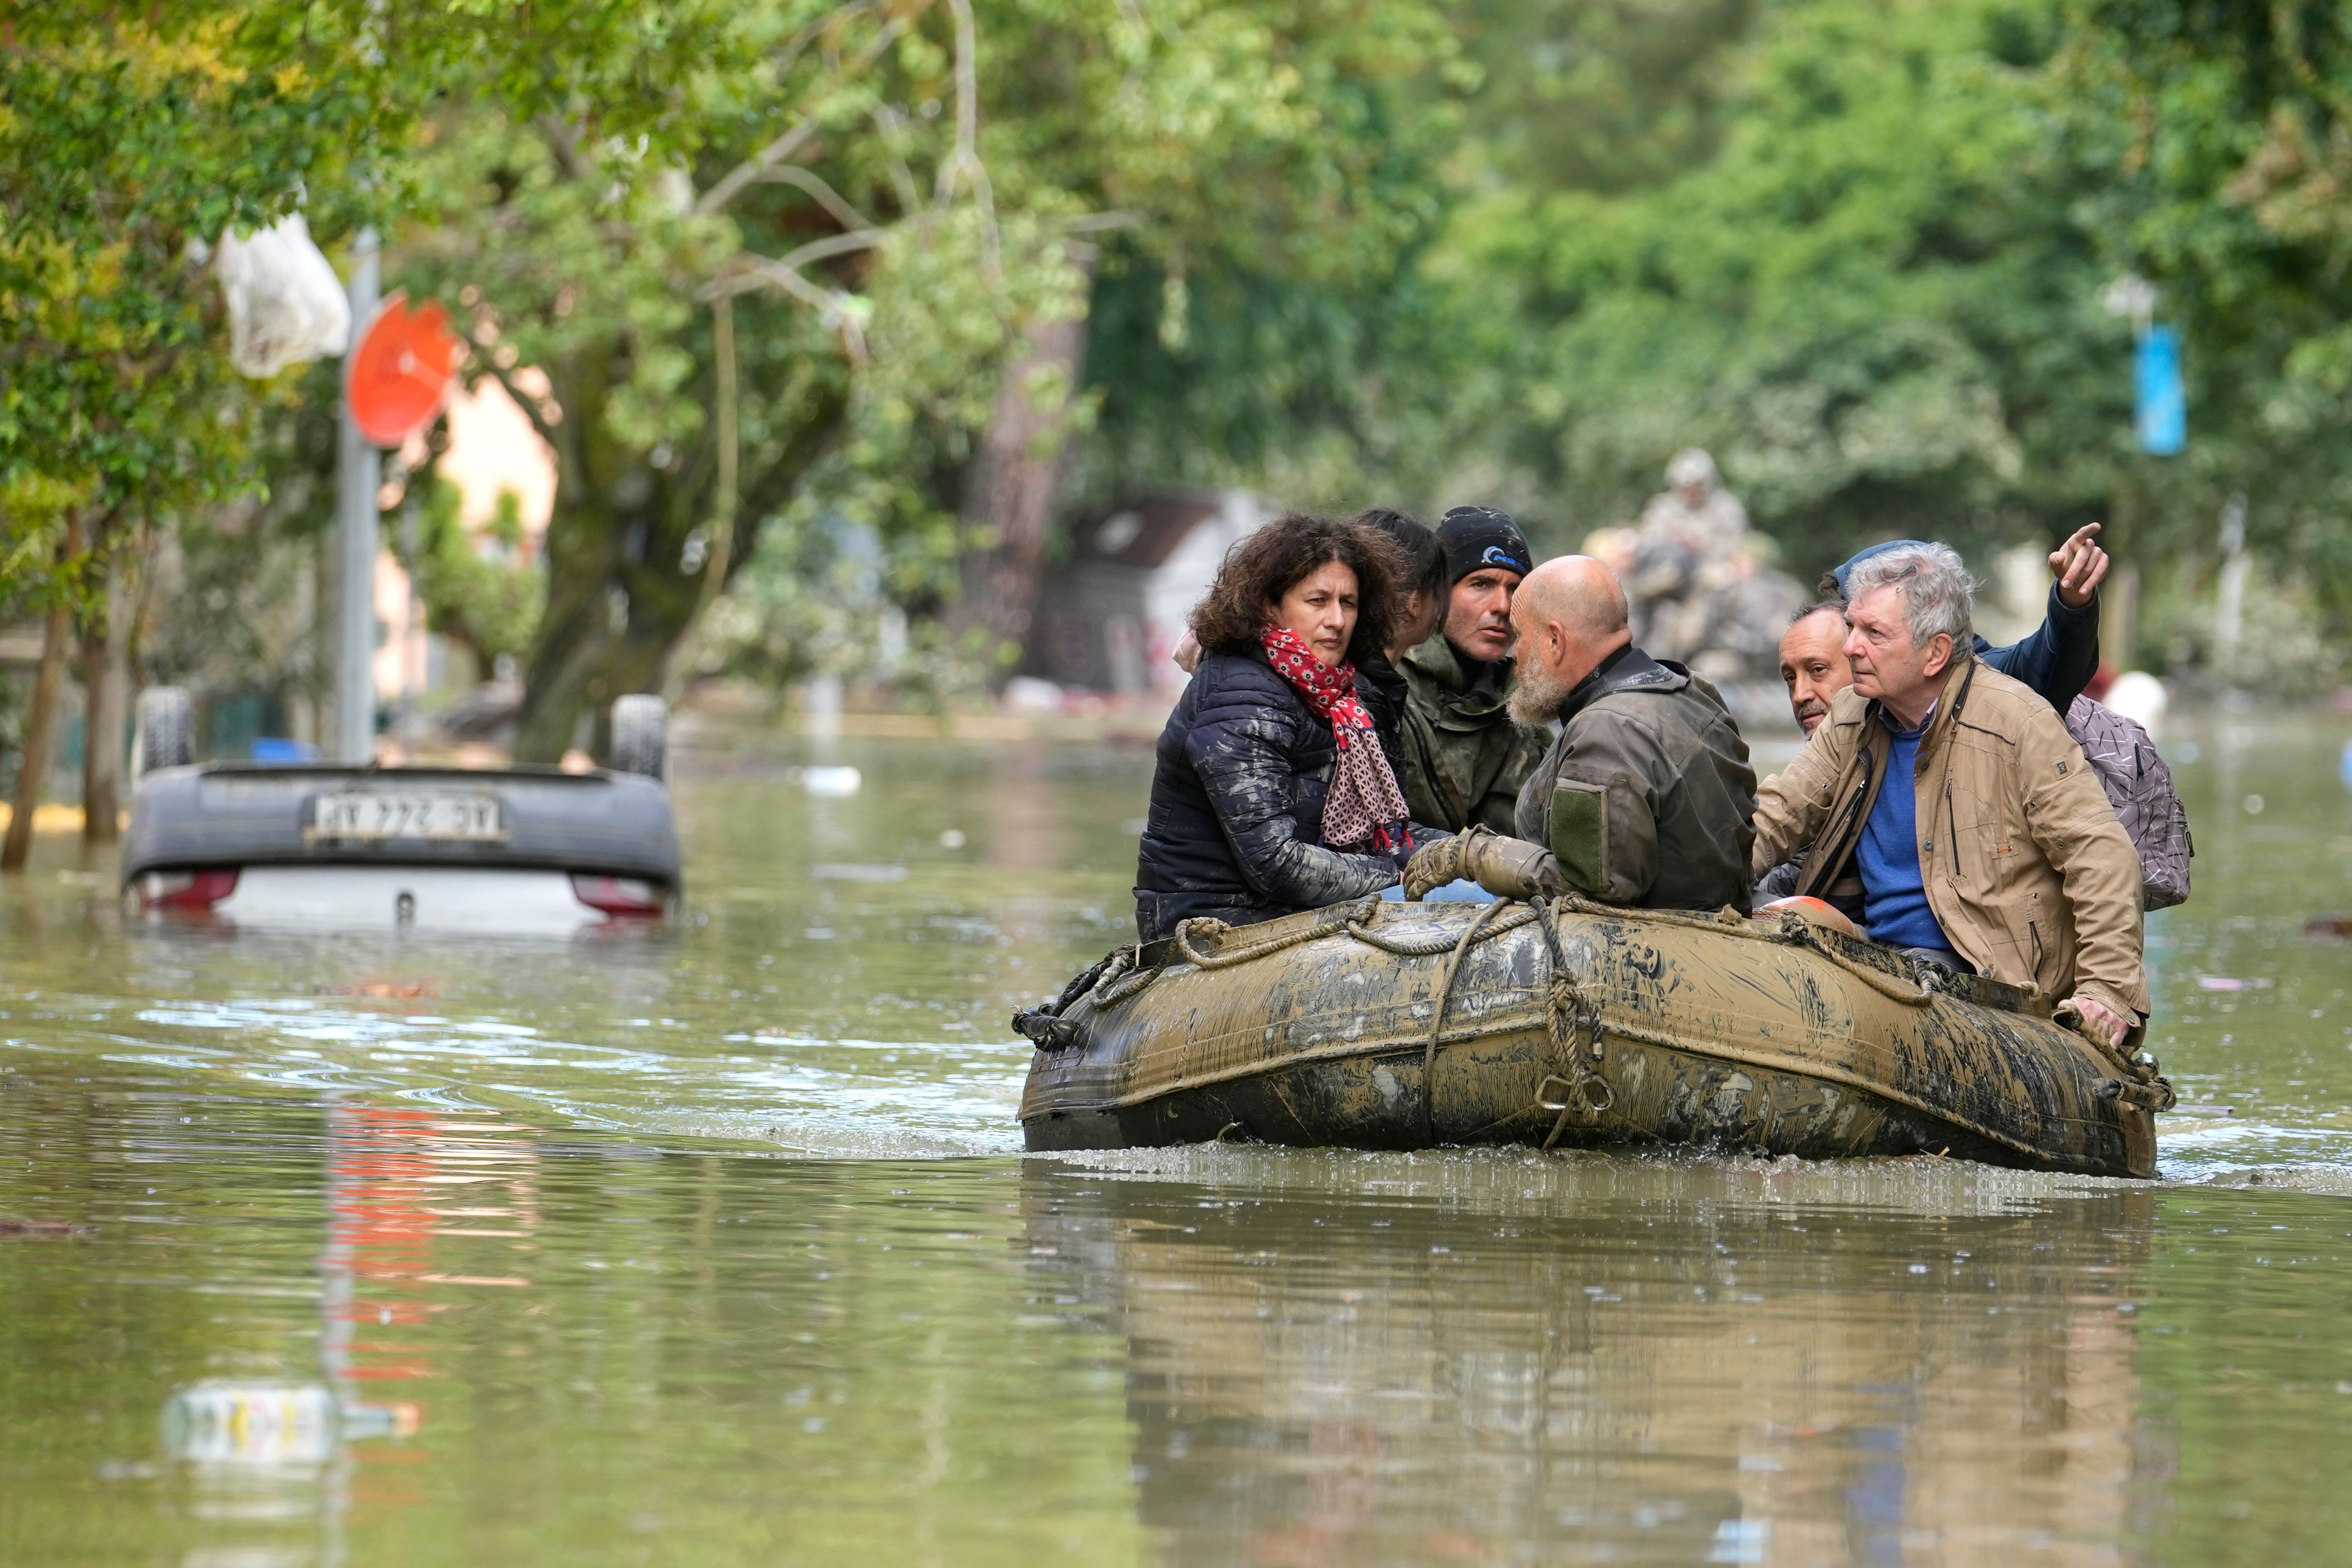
(1403, 1026)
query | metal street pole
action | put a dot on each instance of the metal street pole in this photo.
(358, 476)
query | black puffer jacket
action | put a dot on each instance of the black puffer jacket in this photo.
(1236, 822)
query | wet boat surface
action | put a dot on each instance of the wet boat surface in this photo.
(1413, 1026)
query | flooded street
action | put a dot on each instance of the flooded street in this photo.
(715, 1246)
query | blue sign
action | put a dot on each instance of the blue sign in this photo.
(2163, 407)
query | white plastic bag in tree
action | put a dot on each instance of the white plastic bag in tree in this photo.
(286, 306)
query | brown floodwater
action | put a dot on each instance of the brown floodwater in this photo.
(715, 1246)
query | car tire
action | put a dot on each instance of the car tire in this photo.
(640, 735)
(167, 729)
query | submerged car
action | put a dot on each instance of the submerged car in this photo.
(337, 846)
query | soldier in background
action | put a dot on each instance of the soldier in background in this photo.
(1700, 579)
(1695, 509)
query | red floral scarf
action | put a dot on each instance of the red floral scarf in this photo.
(1363, 807)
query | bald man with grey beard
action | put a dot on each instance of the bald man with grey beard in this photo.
(1646, 797)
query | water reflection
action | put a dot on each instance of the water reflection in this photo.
(1603, 1361)
(450, 1252)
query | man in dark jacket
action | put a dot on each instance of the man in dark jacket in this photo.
(1460, 757)
(1646, 797)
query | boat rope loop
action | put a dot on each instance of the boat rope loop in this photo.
(1208, 926)
(1484, 922)
(1583, 1091)
(1796, 931)
(1124, 978)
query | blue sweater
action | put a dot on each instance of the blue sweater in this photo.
(1894, 897)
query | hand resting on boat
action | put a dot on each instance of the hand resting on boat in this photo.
(1507, 867)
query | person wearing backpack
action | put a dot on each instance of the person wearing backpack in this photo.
(1980, 837)
(2057, 662)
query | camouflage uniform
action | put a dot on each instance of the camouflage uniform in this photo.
(1459, 757)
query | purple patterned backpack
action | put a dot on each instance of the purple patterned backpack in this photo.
(2139, 786)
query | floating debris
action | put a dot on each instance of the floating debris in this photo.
(2233, 982)
(832, 784)
(41, 1227)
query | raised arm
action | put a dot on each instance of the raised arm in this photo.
(2059, 659)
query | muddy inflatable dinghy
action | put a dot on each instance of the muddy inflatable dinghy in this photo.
(1407, 1025)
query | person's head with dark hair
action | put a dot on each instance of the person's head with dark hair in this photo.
(1425, 581)
(1813, 663)
(1485, 557)
(1334, 584)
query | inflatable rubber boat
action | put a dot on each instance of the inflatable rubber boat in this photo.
(1388, 1026)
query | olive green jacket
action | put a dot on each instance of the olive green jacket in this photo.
(2023, 861)
(1460, 758)
(1646, 797)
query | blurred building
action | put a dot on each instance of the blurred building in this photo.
(493, 453)
(1110, 614)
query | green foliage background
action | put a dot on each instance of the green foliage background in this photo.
(1345, 251)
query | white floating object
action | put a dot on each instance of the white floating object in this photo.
(832, 784)
(833, 871)
(1027, 694)
(224, 1422)
(2139, 697)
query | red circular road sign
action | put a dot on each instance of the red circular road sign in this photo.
(400, 369)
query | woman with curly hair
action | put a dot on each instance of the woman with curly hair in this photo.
(1272, 792)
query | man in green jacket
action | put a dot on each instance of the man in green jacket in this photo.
(1461, 758)
(1646, 797)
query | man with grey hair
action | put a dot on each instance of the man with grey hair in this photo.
(1996, 849)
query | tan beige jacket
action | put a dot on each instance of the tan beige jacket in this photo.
(2025, 865)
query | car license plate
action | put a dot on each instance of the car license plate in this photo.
(382, 814)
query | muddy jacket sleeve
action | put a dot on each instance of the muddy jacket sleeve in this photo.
(1242, 754)
(1792, 805)
(2079, 834)
(1603, 824)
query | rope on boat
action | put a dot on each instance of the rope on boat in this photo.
(1121, 982)
(1437, 1013)
(1362, 910)
(1580, 1088)
(1431, 946)
(1565, 1008)
(1799, 931)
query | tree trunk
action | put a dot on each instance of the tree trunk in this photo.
(619, 598)
(40, 725)
(1010, 496)
(107, 657)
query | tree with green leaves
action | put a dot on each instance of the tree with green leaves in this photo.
(130, 140)
(125, 145)
(850, 274)
(2222, 134)
(1867, 295)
